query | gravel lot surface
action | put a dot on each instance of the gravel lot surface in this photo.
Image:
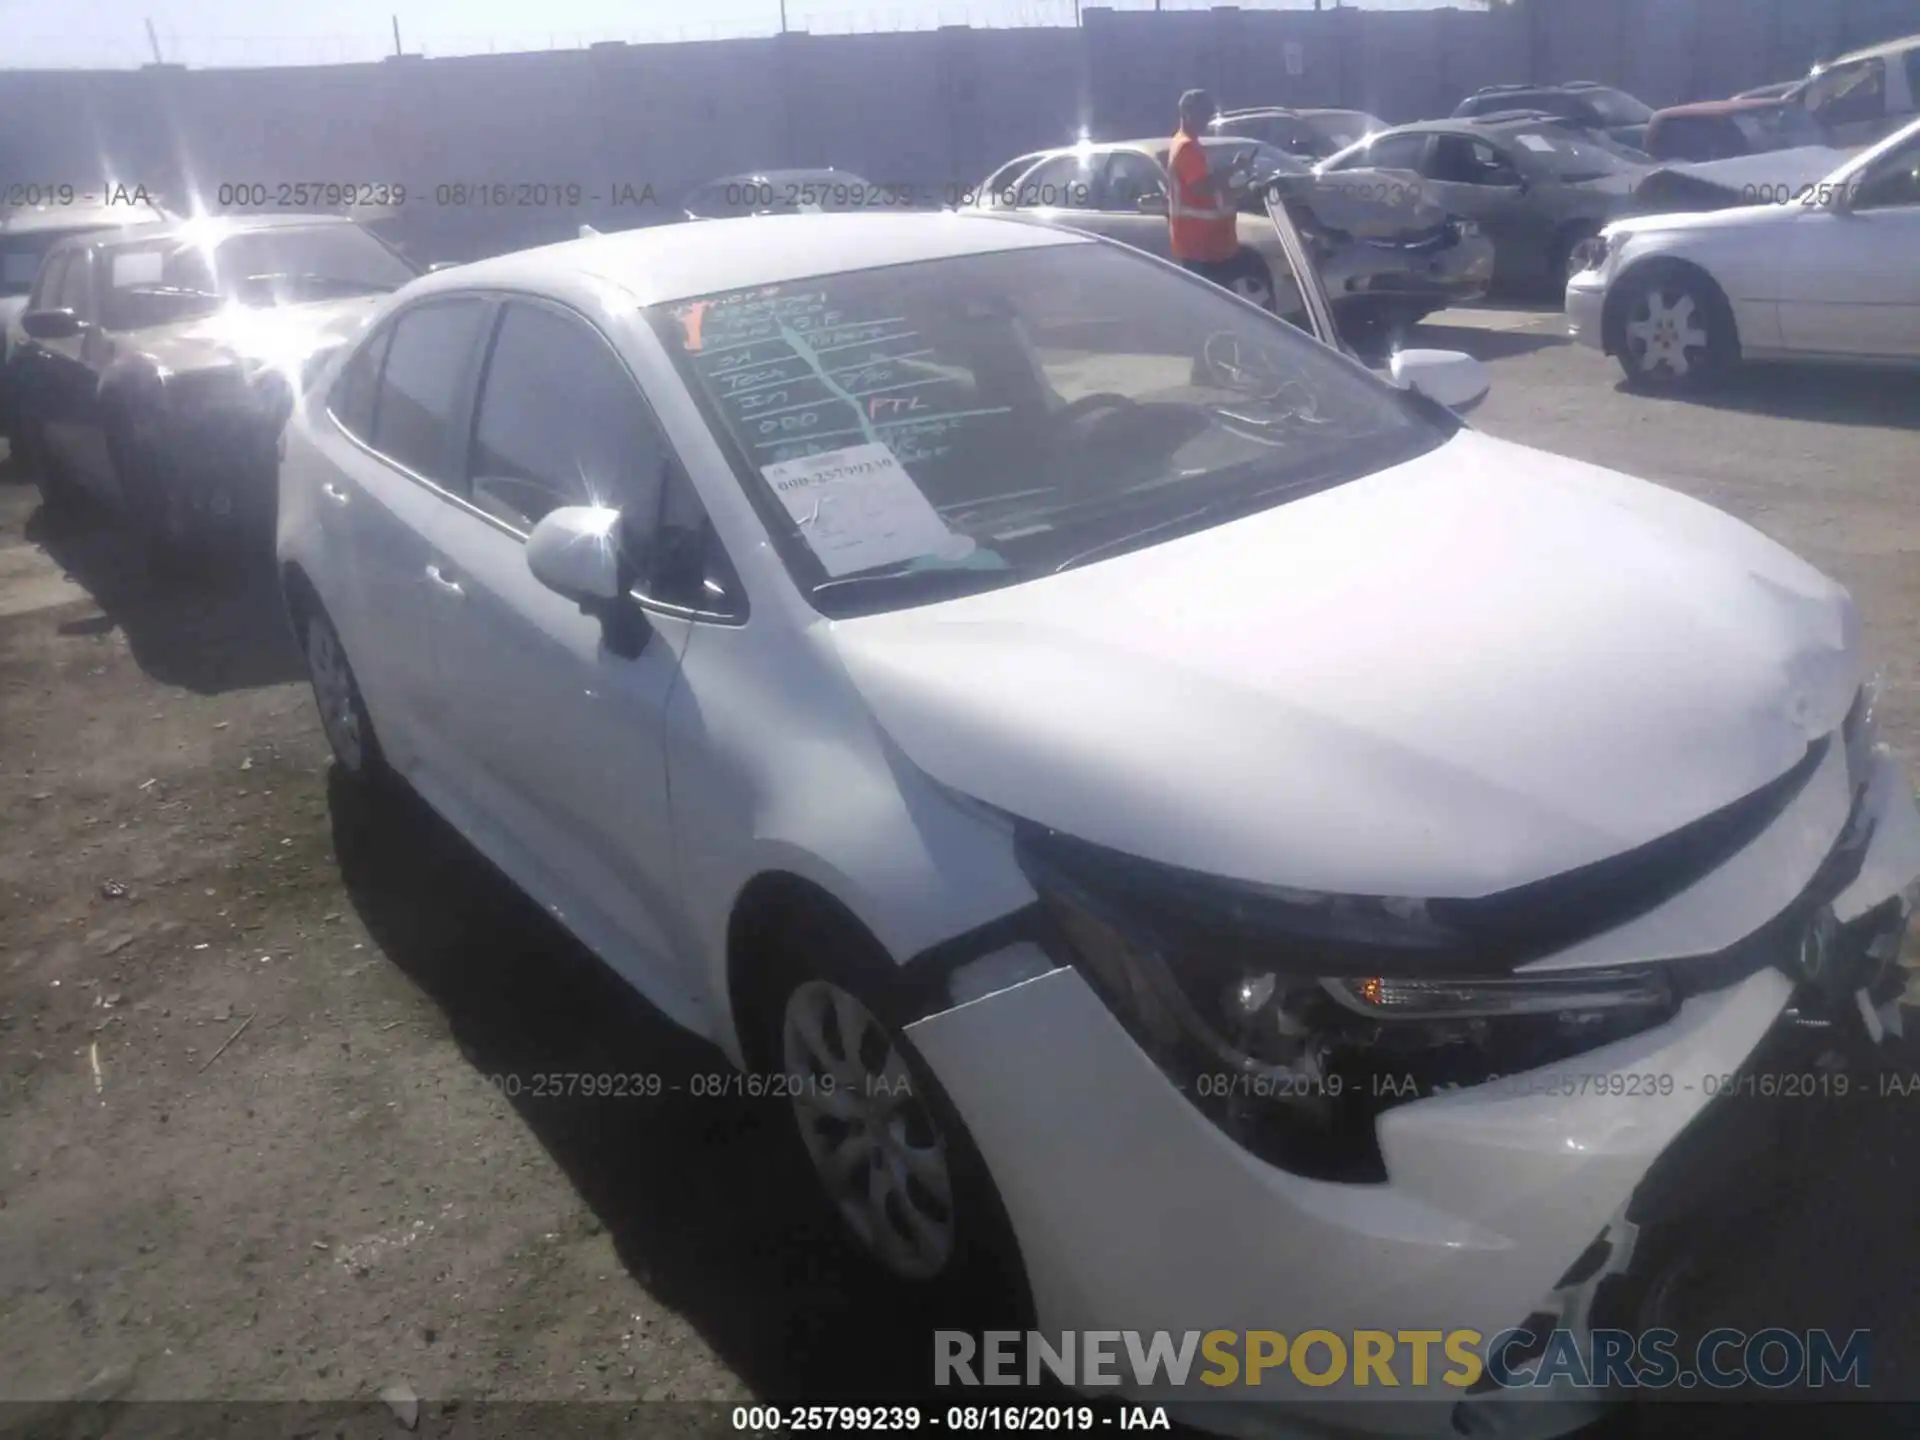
(255, 1139)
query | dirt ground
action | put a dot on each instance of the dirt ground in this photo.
(256, 1139)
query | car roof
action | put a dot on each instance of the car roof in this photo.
(214, 228)
(1872, 52)
(42, 218)
(661, 263)
(1260, 112)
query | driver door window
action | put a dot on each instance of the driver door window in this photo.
(1894, 183)
(1463, 160)
(1853, 94)
(1063, 183)
(1397, 152)
(1131, 177)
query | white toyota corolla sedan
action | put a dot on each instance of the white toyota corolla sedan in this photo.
(1177, 815)
(1818, 271)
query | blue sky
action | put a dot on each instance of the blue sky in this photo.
(112, 33)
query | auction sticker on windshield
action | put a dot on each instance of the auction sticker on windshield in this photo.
(857, 508)
(137, 267)
(1538, 143)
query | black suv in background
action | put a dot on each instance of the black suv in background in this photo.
(1584, 102)
(25, 237)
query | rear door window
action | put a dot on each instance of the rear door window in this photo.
(352, 399)
(422, 386)
(47, 284)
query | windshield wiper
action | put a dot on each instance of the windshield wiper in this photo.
(1133, 537)
(941, 580)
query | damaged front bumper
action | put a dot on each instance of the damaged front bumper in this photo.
(1134, 1212)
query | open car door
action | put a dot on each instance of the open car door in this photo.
(1306, 276)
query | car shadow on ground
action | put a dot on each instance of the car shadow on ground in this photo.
(218, 629)
(1832, 395)
(1481, 342)
(709, 1200)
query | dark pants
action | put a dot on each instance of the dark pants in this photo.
(1245, 265)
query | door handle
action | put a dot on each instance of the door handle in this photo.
(333, 492)
(439, 578)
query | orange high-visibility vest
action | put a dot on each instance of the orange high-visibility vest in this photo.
(1200, 226)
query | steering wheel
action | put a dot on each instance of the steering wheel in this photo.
(1092, 404)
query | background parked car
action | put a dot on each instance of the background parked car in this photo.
(1535, 186)
(158, 368)
(1385, 249)
(1585, 102)
(25, 237)
(1779, 90)
(1866, 94)
(1680, 298)
(1306, 134)
(1723, 129)
(781, 192)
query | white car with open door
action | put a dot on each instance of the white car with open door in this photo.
(1077, 734)
(1820, 272)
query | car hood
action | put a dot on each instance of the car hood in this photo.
(280, 336)
(1781, 172)
(1370, 205)
(1480, 668)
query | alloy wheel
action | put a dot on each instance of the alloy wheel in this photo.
(335, 692)
(1666, 333)
(869, 1132)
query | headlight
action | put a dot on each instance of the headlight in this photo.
(1295, 1023)
(1594, 252)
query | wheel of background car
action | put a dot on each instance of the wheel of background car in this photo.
(893, 1157)
(1676, 330)
(151, 500)
(1563, 259)
(58, 494)
(336, 692)
(1255, 286)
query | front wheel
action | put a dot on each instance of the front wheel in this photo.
(343, 710)
(1676, 332)
(892, 1155)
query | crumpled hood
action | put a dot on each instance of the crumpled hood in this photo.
(1372, 205)
(1477, 669)
(281, 336)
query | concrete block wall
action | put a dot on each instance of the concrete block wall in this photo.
(937, 109)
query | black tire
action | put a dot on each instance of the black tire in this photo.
(152, 502)
(1560, 258)
(344, 718)
(59, 496)
(1678, 303)
(982, 1277)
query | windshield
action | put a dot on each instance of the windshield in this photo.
(1781, 127)
(1341, 128)
(161, 282)
(1570, 156)
(920, 431)
(1616, 107)
(20, 257)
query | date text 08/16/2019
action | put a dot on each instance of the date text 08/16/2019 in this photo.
(959, 1419)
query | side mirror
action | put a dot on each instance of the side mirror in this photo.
(1447, 377)
(52, 324)
(578, 552)
(1152, 203)
(575, 551)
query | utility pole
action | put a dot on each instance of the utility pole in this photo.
(783, 17)
(153, 42)
(396, 36)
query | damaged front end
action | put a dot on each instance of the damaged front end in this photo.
(1295, 1021)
